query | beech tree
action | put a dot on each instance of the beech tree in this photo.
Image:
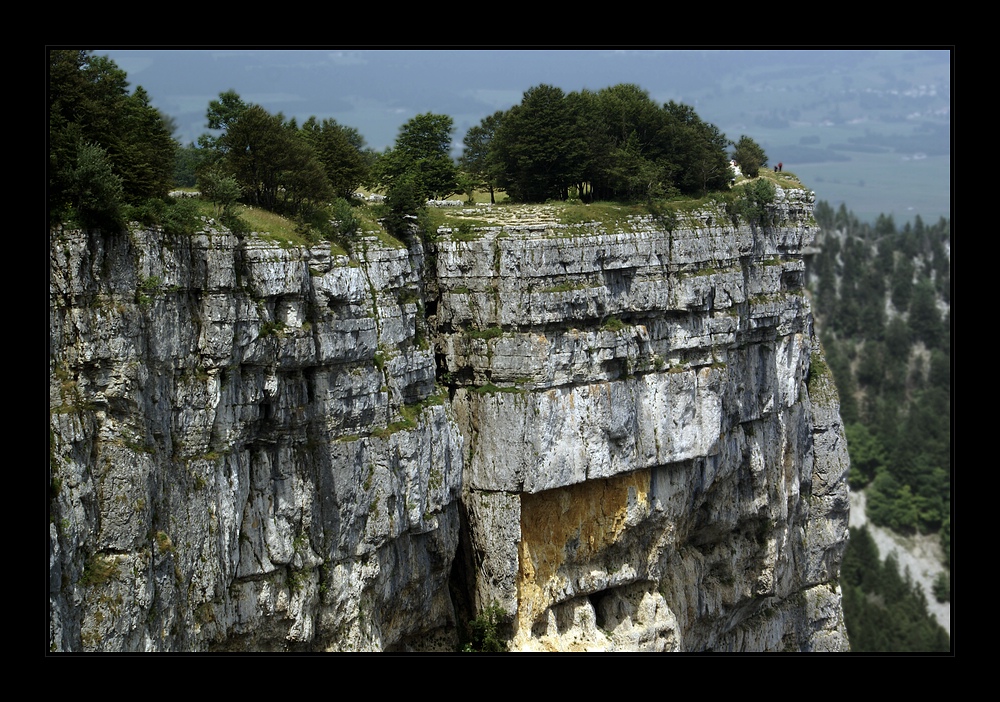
(539, 148)
(253, 148)
(627, 153)
(274, 164)
(616, 143)
(341, 151)
(698, 149)
(420, 156)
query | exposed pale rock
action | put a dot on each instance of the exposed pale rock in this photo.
(626, 438)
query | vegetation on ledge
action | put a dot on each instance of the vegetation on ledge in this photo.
(607, 157)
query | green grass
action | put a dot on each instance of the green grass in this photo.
(267, 225)
(785, 179)
(613, 324)
(463, 227)
(574, 214)
(607, 213)
(98, 570)
(393, 428)
(270, 226)
(273, 227)
(467, 225)
(466, 231)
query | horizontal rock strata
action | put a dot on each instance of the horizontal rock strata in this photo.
(626, 440)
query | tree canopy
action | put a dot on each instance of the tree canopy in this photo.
(616, 143)
(477, 158)
(421, 156)
(108, 147)
(885, 611)
(538, 146)
(342, 152)
(879, 295)
(278, 165)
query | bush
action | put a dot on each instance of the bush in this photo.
(181, 217)
(485, 632)
(346, 222)
(314, 223)
(758, 195)
(401, 202)
(222, 190)
(664, 215)
(234, 223)
(149, 212)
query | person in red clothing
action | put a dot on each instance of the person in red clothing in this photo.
(779, 166)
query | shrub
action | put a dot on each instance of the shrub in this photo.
(222, 190)
(98, 570)
(346, 222)
(314, 223)
(404, 200)
(613, 324)
(488, 333)
(181, 217)
(464, 232)
(758, 195)
(275, 328)
(148, 212)
(664, 215)
(234, 223)
(485, 632)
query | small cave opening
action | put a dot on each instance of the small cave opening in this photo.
(597, 601)
(792, 280)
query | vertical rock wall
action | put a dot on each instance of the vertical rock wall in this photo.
(651, 411)
(248, 451)
(625, 439)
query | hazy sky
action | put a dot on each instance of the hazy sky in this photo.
(743, 91)
(376, 91)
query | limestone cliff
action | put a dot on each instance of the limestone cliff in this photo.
(624, 437)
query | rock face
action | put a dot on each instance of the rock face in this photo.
(625, 440)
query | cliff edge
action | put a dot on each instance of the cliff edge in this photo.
(620, 438)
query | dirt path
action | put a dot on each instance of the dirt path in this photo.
(921, 554)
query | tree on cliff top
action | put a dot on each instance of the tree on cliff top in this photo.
(749, 156)
(98, 129)
(274, 162)
(477, 159)
(538, 146)
(420, 158)
(342, 152)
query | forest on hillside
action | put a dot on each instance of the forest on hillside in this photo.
(882, 299)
